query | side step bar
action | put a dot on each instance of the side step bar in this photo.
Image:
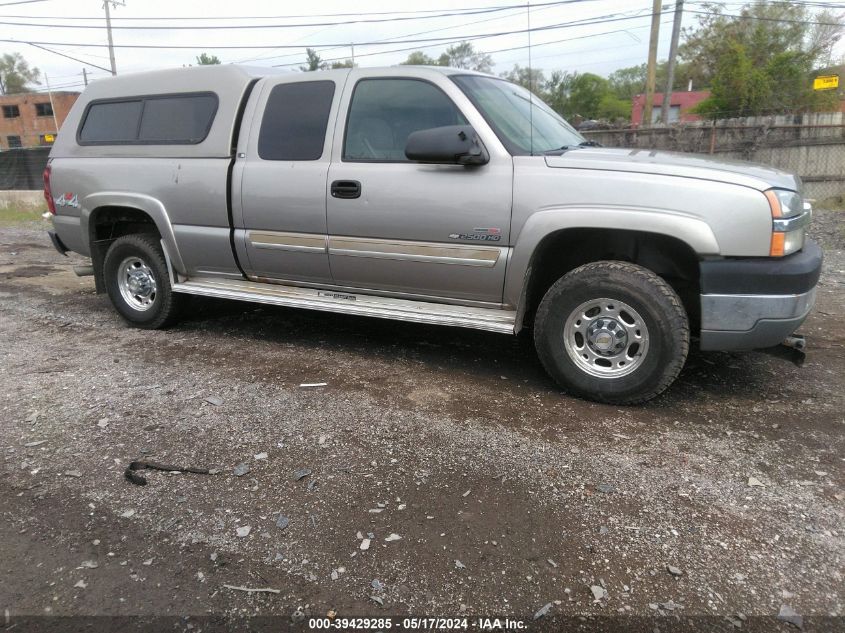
(492, 320)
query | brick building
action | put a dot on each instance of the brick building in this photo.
(26, 120)
(680, 105)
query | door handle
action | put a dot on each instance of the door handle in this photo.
(346, 189)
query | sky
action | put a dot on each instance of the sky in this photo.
(616, 38)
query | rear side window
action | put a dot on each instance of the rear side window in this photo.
(295, 121)
(155, 120)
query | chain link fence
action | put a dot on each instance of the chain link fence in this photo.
(22, 169)
(813, 146)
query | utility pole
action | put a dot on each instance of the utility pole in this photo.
(353, 54)
(108, 29)
(651, 74)
(670, 67)
(52, 107)
(85, 76)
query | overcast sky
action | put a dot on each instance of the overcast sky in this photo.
(597, 48)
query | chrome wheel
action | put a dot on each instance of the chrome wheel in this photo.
(136, 283)
(606, 338)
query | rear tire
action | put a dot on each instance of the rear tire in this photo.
(138, 283)
(613, 332)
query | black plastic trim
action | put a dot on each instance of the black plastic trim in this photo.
(236, 132)
(794, 274)
(57, 242)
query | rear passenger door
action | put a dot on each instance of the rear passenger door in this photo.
(280, 224)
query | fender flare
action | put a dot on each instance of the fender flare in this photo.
(149, 205)
(694, 232)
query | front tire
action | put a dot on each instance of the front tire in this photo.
(613, 332)
(138, 283)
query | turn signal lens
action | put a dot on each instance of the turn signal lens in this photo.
(778, 247)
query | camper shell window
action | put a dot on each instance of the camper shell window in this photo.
(173, 119)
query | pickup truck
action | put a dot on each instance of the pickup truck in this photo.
(432, 195)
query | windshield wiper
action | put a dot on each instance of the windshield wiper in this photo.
(589, 144)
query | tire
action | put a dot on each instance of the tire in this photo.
(138, 284)
(613, 332)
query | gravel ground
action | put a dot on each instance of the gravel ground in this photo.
(445, 473)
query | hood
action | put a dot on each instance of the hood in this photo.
(675, 164)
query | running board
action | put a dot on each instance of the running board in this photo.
(490, 319)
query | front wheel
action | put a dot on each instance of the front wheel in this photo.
(138, 283)
(613, 332)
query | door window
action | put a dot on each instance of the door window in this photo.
(295, 121)
(384, 112)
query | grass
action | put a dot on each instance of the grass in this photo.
(20, 214)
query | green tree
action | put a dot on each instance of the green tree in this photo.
(533, 80)
(626, 83)
(418, 58)
(585, 96)
(207, 60)
(16, 75)
(739, 87)
(465, 56)
(762, 61)
(558, 89)
(312, 61)
(346, 63)
(613, 109)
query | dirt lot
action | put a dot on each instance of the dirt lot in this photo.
(716, 506)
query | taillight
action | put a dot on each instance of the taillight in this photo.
(48, 194)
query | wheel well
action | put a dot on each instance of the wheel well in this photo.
(565, 250)
(105, 225)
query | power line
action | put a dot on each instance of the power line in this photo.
(44, 48)
(288, 17)
(457, 39)
(763, 18)
(432, 40)
(8, 4)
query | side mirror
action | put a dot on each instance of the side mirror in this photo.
(451, 145)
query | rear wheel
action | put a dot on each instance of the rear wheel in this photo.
(613, 332)
(138, 283)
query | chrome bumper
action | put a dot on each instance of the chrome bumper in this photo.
(741, 322)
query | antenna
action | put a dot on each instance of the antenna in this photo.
(530, 81)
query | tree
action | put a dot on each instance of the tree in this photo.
(558, 90)
(534, 80)
(761, 61)
(346, 63)
(207, 60)
(418, 58)
(586, 94)
(16, 75)
(312, 61)
(465, 56)
(613, 108)
(626, 83)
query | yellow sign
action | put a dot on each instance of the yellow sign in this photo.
(49, 138)
(826, 82)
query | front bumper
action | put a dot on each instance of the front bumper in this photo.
(753, 303)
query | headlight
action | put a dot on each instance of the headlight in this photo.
(785, 204)
(790, 217)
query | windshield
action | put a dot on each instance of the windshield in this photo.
(512, 111)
